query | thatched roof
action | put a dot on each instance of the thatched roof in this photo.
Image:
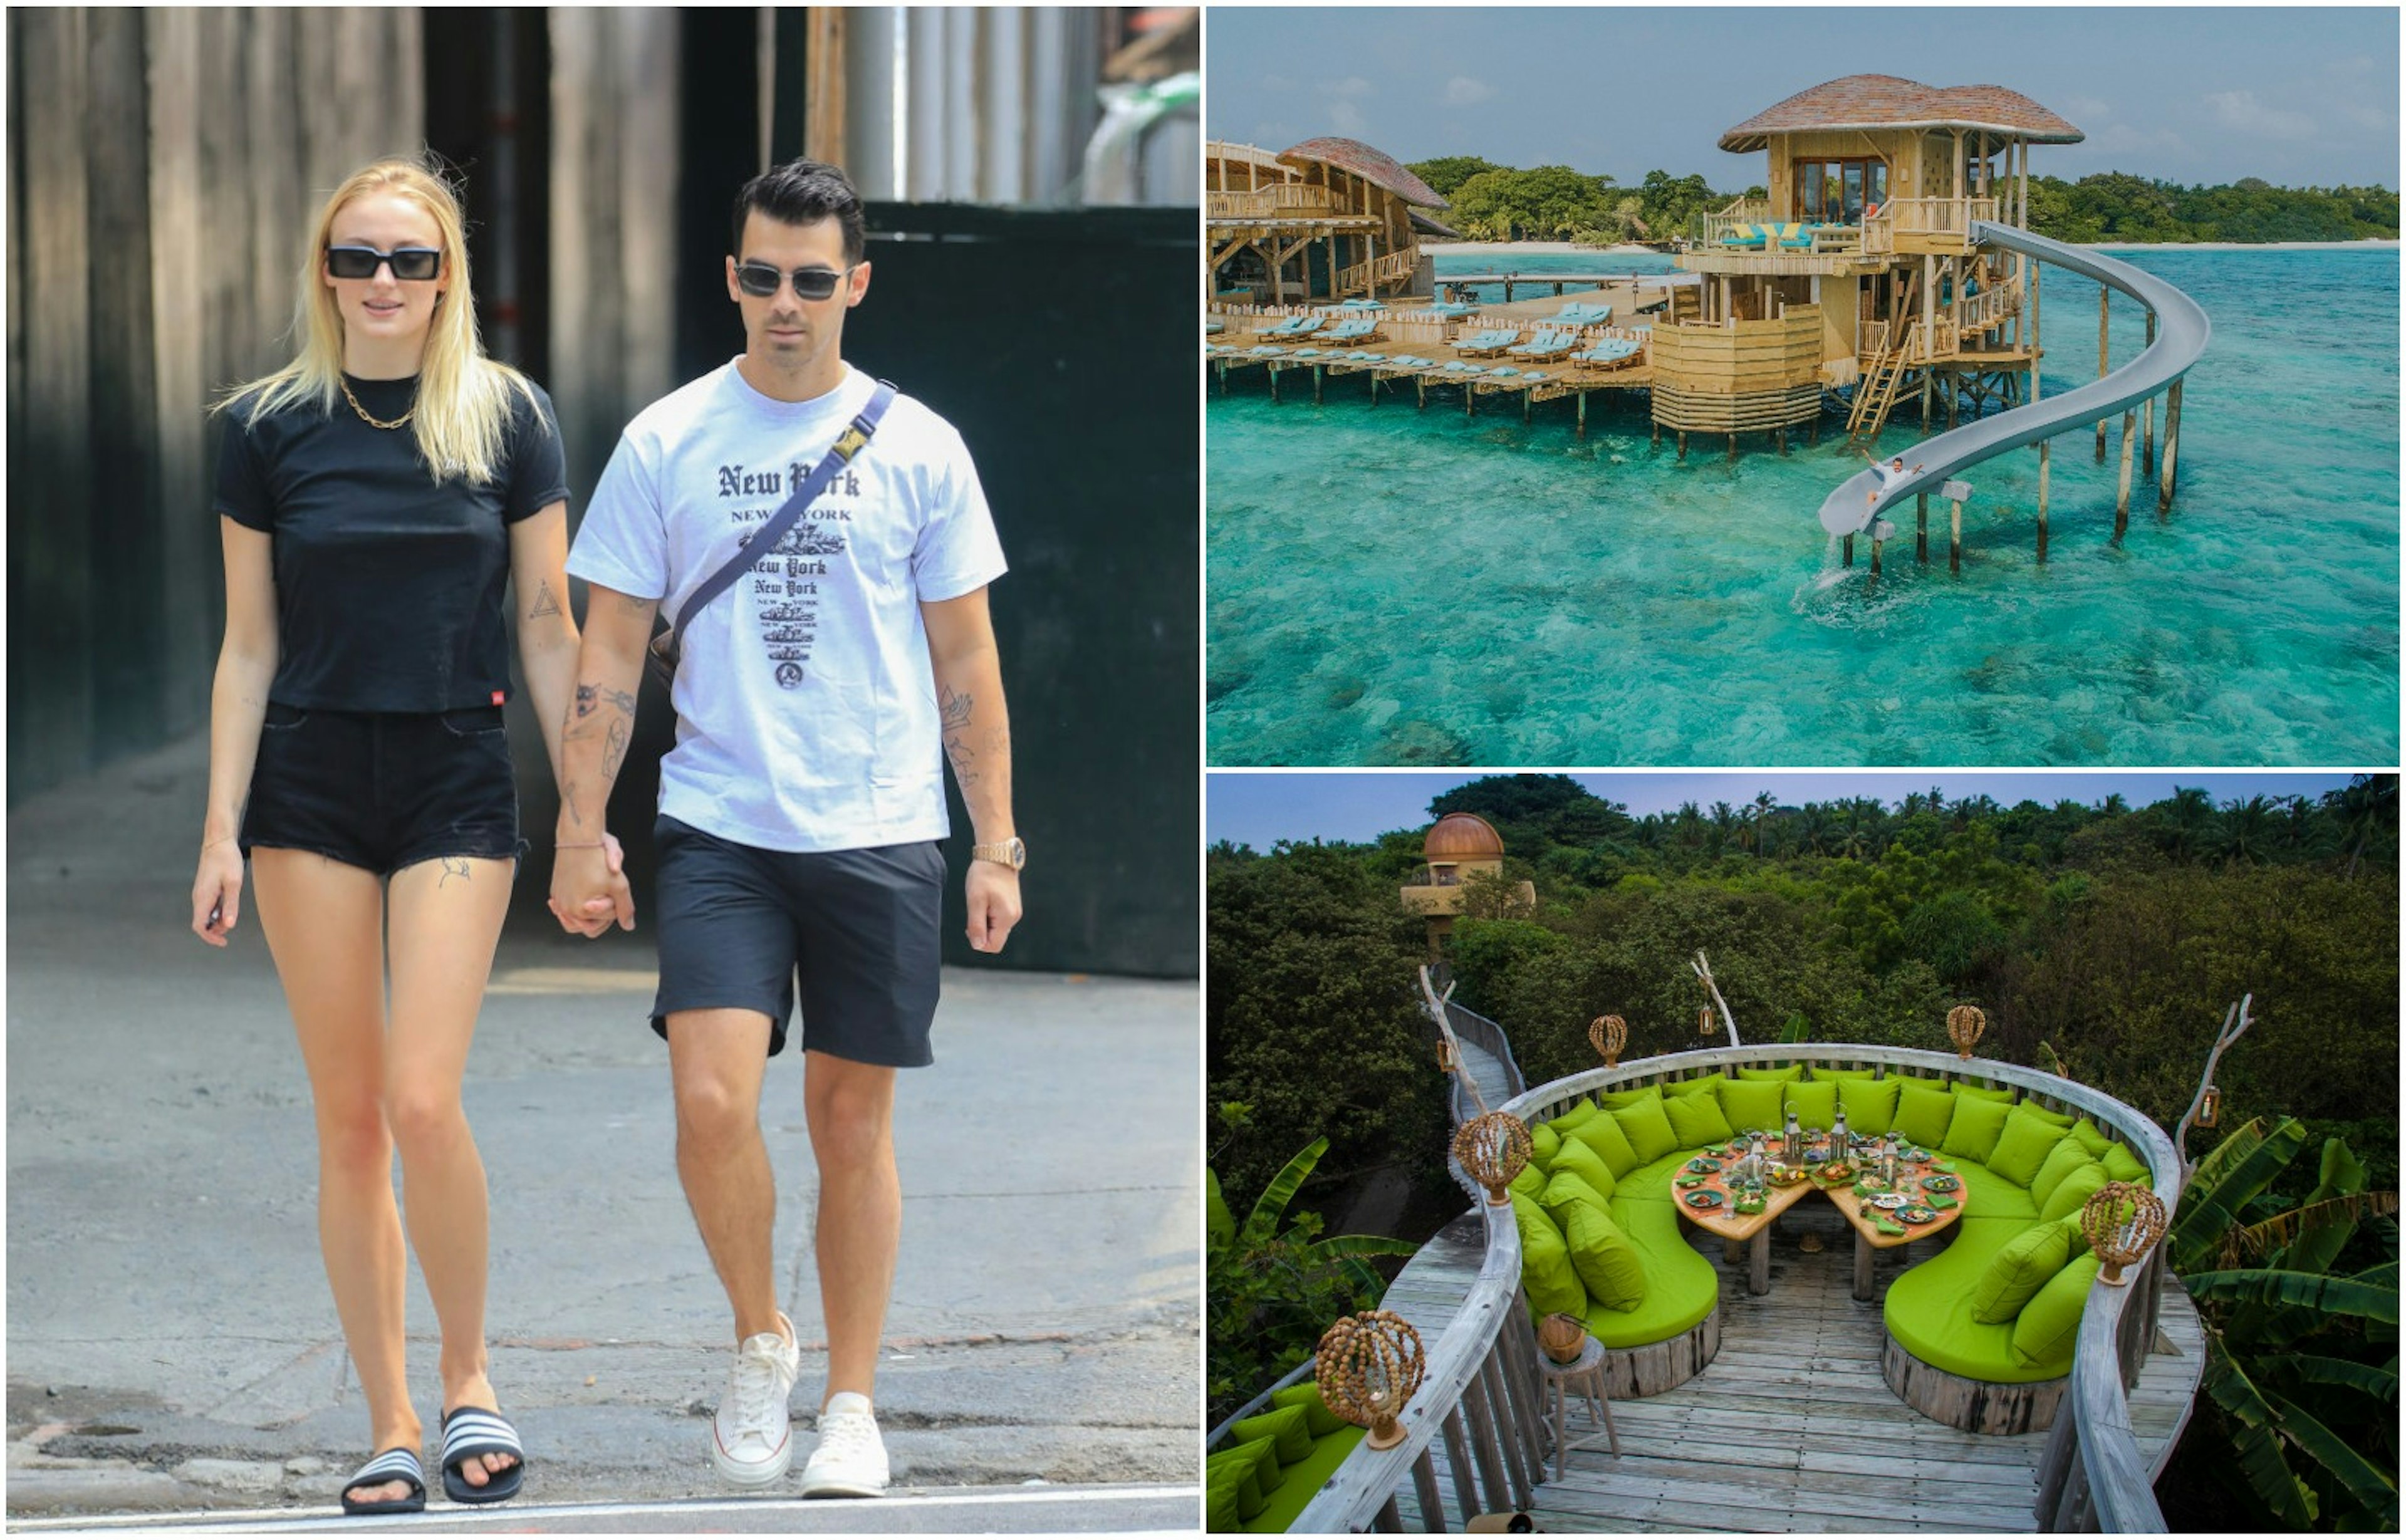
(1428, 225)
(1887, 102)
(1374, 166)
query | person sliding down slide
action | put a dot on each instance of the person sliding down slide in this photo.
(1888, 476)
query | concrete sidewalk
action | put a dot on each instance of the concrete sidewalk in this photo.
(171, 1341)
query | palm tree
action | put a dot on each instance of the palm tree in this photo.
(1765, 804)
(2247, 831)
(2368, 807)
(2188, 812)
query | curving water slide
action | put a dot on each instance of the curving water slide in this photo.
(2181, 333)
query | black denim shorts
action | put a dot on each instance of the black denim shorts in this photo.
(863, 928)
(384, 790)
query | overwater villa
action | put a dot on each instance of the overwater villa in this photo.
(1890, 260)
(1328, 220)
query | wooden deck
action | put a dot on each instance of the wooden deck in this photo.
(1791, 1427)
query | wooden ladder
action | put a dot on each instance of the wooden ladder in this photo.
(1875, 396)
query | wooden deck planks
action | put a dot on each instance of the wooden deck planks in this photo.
(1784, 1430)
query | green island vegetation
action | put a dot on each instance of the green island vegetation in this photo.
(2105, 943)
(1499, 203)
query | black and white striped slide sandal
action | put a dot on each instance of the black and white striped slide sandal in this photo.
(469, 1431)
(393, 1464)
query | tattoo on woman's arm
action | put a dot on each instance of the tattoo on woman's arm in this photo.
(543, 603)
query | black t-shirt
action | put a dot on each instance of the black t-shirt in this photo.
(389, 585)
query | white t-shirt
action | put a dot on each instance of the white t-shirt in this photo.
(805, 702)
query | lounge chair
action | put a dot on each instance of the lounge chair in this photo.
(1583, 314)
(1545, 344)
(1461, 369)
(1263, 350)
(1357, 330)
(1492, 340)
(1610, 352)
(1295, 326)
(1362, 305)
(1746, 237)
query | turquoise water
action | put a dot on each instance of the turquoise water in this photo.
(1395, 587)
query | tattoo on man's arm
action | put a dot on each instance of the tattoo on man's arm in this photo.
(613, 749)
(576, 814)
(543, 603)
(958, 706)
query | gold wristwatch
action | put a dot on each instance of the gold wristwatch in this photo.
(1011, 853)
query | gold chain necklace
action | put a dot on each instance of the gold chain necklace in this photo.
(401, 421)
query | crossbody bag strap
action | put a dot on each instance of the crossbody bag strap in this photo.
(764, 540)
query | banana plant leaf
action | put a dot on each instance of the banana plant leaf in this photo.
(2256, 1439)
(2221, 1188)
(2364, 1481)
(2361, 1296)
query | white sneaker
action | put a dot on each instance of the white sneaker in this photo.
(850, 1460)
(751, 1438)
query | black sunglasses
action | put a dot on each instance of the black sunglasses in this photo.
(410, 263)
(762, 281)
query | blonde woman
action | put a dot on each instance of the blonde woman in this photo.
(380, 495)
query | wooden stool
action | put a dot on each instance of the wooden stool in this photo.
(1587, 1373)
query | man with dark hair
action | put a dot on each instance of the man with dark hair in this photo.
(801, 809)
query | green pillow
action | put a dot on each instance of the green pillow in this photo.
(1265, 1474)
(1606, 1263)
(1870, 1105)
(2023, 1147)
(1984, 1093)
(2071, 1223)
(1748, 1104)
(2043, 1331)
(1568, 1187)
(1696, 1120)
(1315, 1407)
(2065, 1158)
(1793, 1072)
(2019, 1270)
(1703, 1085)
(1545, 1262)
(2091, 1137)
(1603, 1135)
(2122, 1165)
(1581, 1110)
(1972, 1133)
(1543, 1142)
(1579, 1158)
(2060, 1121)
(1223, 1510)
(1530, 1180)
(1613, 1101)
(1922, 1111)
(2073, 1192)
(1285, 1427)
(1648, 1129)
(1815, 1104)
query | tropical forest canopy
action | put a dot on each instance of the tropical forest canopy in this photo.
(1497, 203)
(2106, 942)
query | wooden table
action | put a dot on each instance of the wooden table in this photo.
(1754, 1230)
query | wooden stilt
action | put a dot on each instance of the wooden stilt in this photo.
(1813, 431)
(1779, 441)
(2172, 447)
(1876, 543)
(1732, 449)
(2104, 298)
(1954, 386)
(1469, 400)
(1658, 431)
(2122, 492)
(1924, 401)
(1955, 536)
(2147, 414)
(1846, 547)
(1420, 383)
(1316, 381)
(1583, 418)
(1921, 527)
(1683, 444)
(1274, 391)
(2042, 501)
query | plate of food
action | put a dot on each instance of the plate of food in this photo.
(1889, 1200)
(1704, 1199)
(1916, 1155)
(1786, 1175)
(1941, 1184)
(1837, 1170)
(1702, 1164)
(1915, 1214)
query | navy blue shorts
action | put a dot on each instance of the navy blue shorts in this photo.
(383, 790)
(862, 927)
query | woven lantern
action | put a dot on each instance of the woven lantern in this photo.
(1610, 1035)
(1562, 1336)
(1964, 1024)
(2123, 1220)
(1493, 1147)
(1705, 1021)
(1367, 1367)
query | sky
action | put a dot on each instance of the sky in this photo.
(1259, 809)
(2298, 97)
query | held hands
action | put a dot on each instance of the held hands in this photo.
(217, 891)
(590, 890)
(993, 891)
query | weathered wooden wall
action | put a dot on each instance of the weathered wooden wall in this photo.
(163, 167)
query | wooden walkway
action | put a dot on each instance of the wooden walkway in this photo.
(1791, 1427)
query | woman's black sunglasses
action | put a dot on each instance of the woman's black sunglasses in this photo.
(410, 263)
(760, 280)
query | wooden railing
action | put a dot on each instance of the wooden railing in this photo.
(2090, 1476)
(1917, 221)
(1387, 267)
(1711, 227)
(1990, 307)
(1470, 1028)
(1270, 202)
